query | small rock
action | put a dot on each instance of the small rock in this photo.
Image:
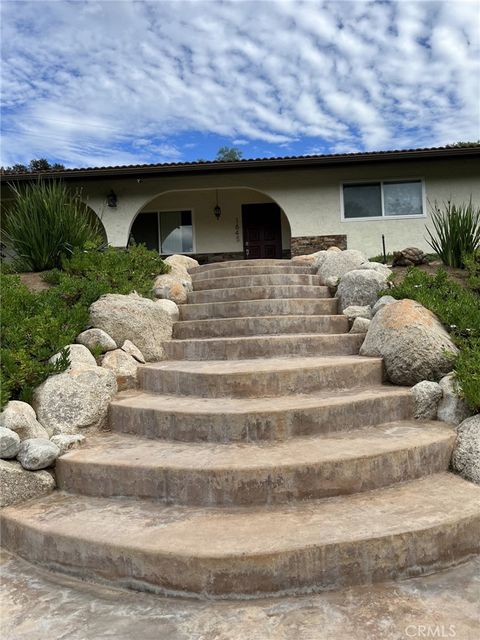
(356, 311)
(66, 442)
(334, 249)
(96, 338)
(466, 455)
(360, 325)
(74, 400)
(360, 287)
(21, 418)
(452, 407)
(170, 307)
(382, 302)
(19, 485)
(124, 366)
(79, 356)
(132, 350)
(332, 282)
(37, 453)
(377, 266)
(9, 443)
(426, 395)
(305, 259)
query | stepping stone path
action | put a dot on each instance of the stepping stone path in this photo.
(264, 457)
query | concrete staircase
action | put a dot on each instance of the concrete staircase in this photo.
(264, 457)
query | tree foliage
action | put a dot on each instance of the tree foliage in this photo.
(35, 165)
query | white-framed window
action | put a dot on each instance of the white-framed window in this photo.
(167, 232)
(382, 199)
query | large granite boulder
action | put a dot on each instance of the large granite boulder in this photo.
(96, 339)
(170, 307)
(21, 418)
(360, 287)
(134, 318)
(412, 342)
(75, 399)
(37, 453)
(452, 407)
(19, 485)
(9, 443)
(426, 396)
(79, 356)
(466, 455)
(124, 366)
(337, 263)
(177, 260)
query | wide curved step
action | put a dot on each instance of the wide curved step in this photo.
(213, 474)
(251, 270)
(228, 264)
(260, 378)
(155, 416)
(258, 293)
(251, 308)
(258, 281)
(404, 530)
(248, 347)
(256, 326)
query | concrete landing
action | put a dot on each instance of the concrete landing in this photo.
(39, 605)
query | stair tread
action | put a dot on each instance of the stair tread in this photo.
(150, 527)
(196, 405)
(289, 316)
(113, 449)
(278, 364)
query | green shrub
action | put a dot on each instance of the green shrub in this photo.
(459, 310)
(45, 222)
(35, 325)
(472, 265)
(457, 232)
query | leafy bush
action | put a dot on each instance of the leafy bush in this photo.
(457, 229)
(472, 265)
(35, 325)
(459, 310)
(47, 221)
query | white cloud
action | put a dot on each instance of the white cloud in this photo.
(113, 82)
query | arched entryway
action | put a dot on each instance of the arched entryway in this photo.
(213, 224)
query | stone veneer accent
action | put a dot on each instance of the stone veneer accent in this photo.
(302, 245)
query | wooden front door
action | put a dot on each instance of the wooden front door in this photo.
(262, 231)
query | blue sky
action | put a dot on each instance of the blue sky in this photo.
(96, 83)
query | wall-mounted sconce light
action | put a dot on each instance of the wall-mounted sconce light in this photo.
(112, 199)
(217, 212)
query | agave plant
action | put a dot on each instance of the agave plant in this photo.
(457, 232)
(45, 222)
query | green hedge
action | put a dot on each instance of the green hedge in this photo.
(459, 310)
(35, 325)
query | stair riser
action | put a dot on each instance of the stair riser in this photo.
(262, 383)
(251, 308)
(257, 281)
(252, 271)
(273, 325)
(264, 347)
(231, 487)
(316, 568)
(266, 425)
(258, 293)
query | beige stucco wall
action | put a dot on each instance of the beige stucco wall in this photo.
(310, 198)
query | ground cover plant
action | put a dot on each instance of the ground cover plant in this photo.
(458, 308)
(35, 325)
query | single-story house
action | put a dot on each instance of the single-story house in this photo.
(277, 207)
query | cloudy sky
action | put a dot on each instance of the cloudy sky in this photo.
(102, 82)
